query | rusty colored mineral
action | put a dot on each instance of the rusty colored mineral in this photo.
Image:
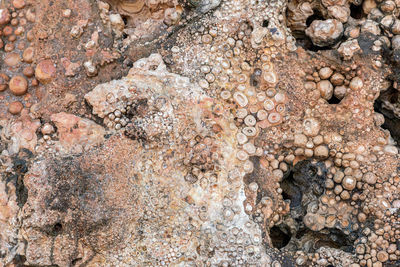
(199, 133)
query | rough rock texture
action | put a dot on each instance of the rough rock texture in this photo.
(199, 133)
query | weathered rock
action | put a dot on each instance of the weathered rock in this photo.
(196, 126)
(348, 48)
(147, 78)
(22, 133)
(45, 71)
(325, 32)
(76, 134)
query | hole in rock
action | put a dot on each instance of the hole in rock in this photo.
(307, 44)
(299, 180)
(392, 122)
(57, 228)
(333, 238)
(75, 261)
(316, 16)
(125, 19)
(302, 39)
(356, 11)
(334, 100)
(280, 236)
(265, 23)
(291, 191)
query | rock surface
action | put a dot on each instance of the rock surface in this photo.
(199, 133)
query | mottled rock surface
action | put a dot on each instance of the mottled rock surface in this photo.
(199, 133)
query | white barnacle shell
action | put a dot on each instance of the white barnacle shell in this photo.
(240, 99)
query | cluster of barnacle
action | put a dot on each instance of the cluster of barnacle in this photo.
(142, 119)
(326, 256)
(139, 11)
(164, 236)
(332, 84)
(251, 91)
(348, 178)
(46, 142)
(201, 156)
(234, 246)
(258, 104)
(340, 23)
(18, 57)
(119, 118)
(225, 64)
(266, 110)
(379, 241)
(148, 120)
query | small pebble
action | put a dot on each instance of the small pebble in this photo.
(321, 151)
(28, 54)
(45, 71)
(18, 4)
(28, 71)
(15, 107)
(4, 16)
(325, 73)
(18, 85)
(356, 83)
(47, 129)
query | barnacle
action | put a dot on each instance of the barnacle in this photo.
(199, 133)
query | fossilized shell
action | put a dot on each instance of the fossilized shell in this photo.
(128, 6)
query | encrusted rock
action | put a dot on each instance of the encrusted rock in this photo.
(76, 134)
(325, 32)
(45, 71)
(199, 133)
(348, 49)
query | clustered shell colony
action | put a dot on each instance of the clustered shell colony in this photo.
(354, 196)
(377, 19)
(259, 101)
(46, 142)
(202, 156)
(18, 56)
(118, 119)
(17, 73)
(142, 119)
(232, 244)
(350, 179)
(327, 83)
(257, 110)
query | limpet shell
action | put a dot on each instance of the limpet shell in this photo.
(274, 118)
(248, 166)
(280, 108)
(241, 138)
(250, 131)
(270, 78)
(241, 113)
(242, 155)
(269, 105)
(280, 97)
(262, 114)
(267, 66)
(225, 94)
(240, 99)
(250, 120)
(249, 148)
